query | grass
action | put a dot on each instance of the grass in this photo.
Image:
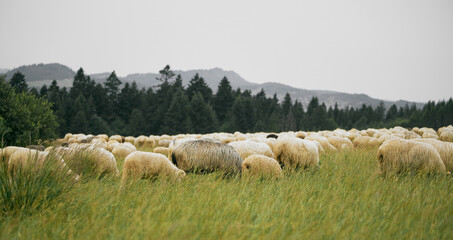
(345, 198)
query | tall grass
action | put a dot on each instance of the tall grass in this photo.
(344, 199)
(29, 188)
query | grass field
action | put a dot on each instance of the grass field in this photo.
(345, 198)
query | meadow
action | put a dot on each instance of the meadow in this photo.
(344, 199)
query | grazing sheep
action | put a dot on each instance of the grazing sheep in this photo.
(400, 155)
(261, 166)
(445, 150)
(430, 134)
(103, 136)
(139, 141)
(301, 134)
(162, 150)
(138, 165)
(6, 152)
(366, 142)
(293, 153)
(326, 145)
(247, 148)
(111, 145)
(129, 139)
(121, 150)
(164, 142)
(447, 136)
(206, 155)
(340, 143)
(31, 159)
(89, 158)
(117, 138)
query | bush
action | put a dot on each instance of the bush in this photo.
(24, 118)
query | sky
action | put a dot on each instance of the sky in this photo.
(388, 49)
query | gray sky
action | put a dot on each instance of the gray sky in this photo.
(388, 49)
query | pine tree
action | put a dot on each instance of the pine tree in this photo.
(165, 74)
(223, 99)
(286, 105)
(98, 125)
(177, 119)
(202, 115)
(136, 123)
(43, 91)
(112, 88)
(197, 84)
(18, 82)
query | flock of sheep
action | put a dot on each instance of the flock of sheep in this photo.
(259, 154)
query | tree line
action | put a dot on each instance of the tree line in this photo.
(170, 108)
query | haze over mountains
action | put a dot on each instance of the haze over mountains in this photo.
(39, 74)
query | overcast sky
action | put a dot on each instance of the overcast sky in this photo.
(388, 49)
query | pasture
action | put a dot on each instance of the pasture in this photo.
(345, 198)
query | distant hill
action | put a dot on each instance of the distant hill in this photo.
(3, 70)
(39, 74)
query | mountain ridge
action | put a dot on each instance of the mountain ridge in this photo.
(64, 75)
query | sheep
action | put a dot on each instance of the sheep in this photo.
(447, 136)
(162, 150)
(366, 141)
(301, 134)
(445, 150)
(67, 137)
(164, 142)
(293, 153)
(103, 136)
(247, 148)
(32, 160)
(206, 155)
(129, 139)
(111, 145)
(400, 155)
(117, 138)
(86, 158)
(6, 152)
(326, 145)
(340, 142)
(261, 166)
(430, 134)
(121, 150)
(138, 165)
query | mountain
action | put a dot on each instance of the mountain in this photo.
(39, 74)
(3, 70)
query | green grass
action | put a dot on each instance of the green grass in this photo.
(345, 199)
